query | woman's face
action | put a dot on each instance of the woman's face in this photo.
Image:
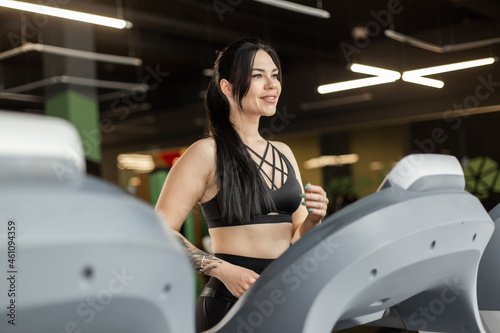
(265, 88)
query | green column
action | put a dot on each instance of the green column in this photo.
(83, 112)
(76, 103)
(156, 180)
(190, 234)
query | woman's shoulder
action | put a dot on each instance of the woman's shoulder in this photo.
(200, 153)
(204, 148)
(207, 143)
(283, 148)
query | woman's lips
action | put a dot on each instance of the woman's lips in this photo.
(270, 98)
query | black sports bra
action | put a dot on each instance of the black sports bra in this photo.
(286, 197)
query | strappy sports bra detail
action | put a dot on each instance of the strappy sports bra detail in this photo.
(285, 194)
(274, 168)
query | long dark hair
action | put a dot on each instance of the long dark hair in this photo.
(242, 190)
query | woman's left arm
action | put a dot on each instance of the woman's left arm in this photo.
(314, 205)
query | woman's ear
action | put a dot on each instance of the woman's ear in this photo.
(226, 88)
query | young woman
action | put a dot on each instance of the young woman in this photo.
(249, 188)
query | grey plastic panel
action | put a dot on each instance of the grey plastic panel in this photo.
(384, 250)
(488, 281)
(80, 255)
(94, 258)
(425, 172)
(39, 146)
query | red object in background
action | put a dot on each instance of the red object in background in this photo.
(169, 158)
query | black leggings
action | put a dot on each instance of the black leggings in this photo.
(215, 299)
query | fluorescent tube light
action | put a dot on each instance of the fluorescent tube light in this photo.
(413, 41)
(63, 51)
(333, 160)
(137, 162)
(452, 67)
(381, 76)
(295, 7)
(371, 70)
(424, 81)
(437, 48)
(67, 14)
(386, 76)
(416, 76)
(353, 84)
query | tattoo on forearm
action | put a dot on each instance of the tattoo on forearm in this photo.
(196, 256)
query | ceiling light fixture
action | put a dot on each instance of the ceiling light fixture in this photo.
(437, 48)
(381, 76)
(137, 162)
(67, 52)
(331, 160)
(416, 76)
(295, 7)
(67, 14)
(371, 70)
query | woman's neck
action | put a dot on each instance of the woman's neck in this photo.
(247, 128)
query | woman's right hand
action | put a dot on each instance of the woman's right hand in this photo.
(237, 279)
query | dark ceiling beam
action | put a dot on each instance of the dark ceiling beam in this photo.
(487, 8)
(215, 33)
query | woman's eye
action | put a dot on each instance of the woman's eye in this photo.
(257, 75)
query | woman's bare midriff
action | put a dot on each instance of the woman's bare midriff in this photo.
(266, 241)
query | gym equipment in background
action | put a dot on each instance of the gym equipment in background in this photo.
(78, 254)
